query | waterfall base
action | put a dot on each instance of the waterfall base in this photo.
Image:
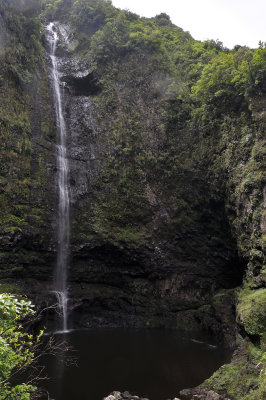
(62, 302)
(152, 363)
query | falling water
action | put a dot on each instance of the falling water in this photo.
(60, 279)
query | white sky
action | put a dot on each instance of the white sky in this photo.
(231, 21)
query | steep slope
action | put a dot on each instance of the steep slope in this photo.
(28, 134)
(166, 147)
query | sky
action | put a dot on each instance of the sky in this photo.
(233, 22)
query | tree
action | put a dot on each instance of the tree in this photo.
(163, 20)
(16, 346)
(21, 350)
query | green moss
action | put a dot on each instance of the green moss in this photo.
(244, 378)
(251, 310)
(6, 287)
(223, 295)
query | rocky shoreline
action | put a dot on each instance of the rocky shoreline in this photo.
(186, 394)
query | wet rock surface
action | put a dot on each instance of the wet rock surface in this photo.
(187, 394)
(144, 251)
(123, 396)
(201, 394)
(151, 271)
(126, 396)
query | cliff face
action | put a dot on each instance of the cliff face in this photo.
(165, 146)
(28, 134)
(150, 238)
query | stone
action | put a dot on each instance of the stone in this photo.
(123, 396)
(114, 396)
(211, 395)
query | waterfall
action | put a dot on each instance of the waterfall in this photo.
(60, 278)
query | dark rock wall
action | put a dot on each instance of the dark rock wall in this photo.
(150, 241)
(167, 187)
(165, 204)
(27, 151)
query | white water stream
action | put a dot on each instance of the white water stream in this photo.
(60, 279)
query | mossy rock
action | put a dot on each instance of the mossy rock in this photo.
(243, 378)
(251, 311)
(7, 287)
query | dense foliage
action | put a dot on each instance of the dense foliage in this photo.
(203, 91)
(183, 115)
(21, 33)
(22, 79)
(16, 347)
(181, 118)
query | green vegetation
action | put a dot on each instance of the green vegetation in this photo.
(16, 347)
(184, 124)
(252, 311)
(244, 378)
(26, 124)
(180, 153)
(6, 287)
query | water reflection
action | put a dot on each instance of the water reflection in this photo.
(151, 363)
